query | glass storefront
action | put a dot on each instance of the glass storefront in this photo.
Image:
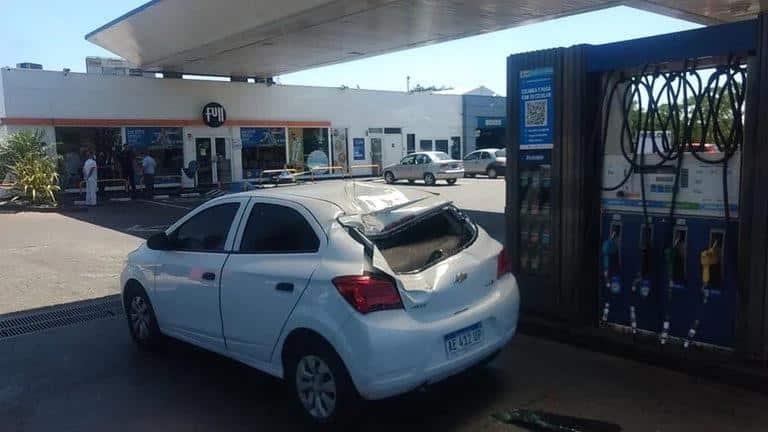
(308, 149)
(339, 150)
(164, 144)
(263, 149)
(72, 143)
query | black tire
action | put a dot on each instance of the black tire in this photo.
(141, 319)
(492, 173)
(346, 398)
(389, 177)
(429, 179)
(451, 181)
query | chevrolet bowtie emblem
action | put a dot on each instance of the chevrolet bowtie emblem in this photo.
(460, 277)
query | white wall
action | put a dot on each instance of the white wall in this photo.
(52, 94)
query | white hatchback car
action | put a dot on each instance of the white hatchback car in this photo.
(345, 290)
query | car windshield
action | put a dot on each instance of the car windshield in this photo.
(501, 153)
(440, 156)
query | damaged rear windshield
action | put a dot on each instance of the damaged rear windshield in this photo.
(431, 239)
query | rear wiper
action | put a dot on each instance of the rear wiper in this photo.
(434, 256)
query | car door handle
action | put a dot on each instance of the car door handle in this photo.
(284, 286)
(209, 276)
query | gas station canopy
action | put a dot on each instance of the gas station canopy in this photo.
(260, 38)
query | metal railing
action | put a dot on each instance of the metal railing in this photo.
(121, 181)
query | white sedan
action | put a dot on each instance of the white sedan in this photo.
(345, 290)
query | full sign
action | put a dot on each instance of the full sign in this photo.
(214, 115)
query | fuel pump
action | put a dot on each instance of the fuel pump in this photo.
(671, 141)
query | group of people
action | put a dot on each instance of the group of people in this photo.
(148, 167)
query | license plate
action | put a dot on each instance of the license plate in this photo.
(462, 341)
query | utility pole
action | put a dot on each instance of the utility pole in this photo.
(408, 83)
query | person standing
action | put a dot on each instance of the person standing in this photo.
(127, 159)
(148, 166)
(91, 176)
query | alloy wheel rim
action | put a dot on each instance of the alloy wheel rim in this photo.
(316, 387)
(139, 315)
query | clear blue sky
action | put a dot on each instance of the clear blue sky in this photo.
(52, 32)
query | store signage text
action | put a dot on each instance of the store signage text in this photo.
(214, 115)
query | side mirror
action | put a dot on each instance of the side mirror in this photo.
(159, 241)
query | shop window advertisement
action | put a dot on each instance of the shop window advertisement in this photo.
(308, 149)
(262, 149)
(165, 145)
(340, 157)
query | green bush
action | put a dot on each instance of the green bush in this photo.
(34, 171)
(16, 146)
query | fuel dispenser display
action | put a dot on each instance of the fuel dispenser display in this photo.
(671, 171)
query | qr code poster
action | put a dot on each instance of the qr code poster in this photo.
(536, 113)
(536, 109)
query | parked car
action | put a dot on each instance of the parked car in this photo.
(344, 291)
(427, 166)
(491, 162)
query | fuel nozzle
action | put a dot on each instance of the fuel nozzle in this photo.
(674, 257)
(610, 258)
(711, 261)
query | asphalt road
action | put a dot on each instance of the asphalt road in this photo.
(89, 377)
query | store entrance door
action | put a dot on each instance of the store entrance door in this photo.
(212, 162)
(393, 149)
(376, 152)
(204, 157)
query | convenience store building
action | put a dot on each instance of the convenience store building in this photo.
(234, 130)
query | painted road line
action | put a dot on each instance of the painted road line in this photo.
(190, 195)
(81, 203)
(161, 197)
(120, 199)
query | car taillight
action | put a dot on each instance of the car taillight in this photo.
(503, 265)
(368, 293)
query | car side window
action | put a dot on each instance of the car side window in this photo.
(471, 156)
(486, 155)
(422, 159)
(273, 228)
(408, 160)
(206, 231)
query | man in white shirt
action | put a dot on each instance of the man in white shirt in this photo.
(91, 176)
(148, 166)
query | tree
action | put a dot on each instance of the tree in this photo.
(420, 89)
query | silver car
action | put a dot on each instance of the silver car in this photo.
(491, 162)
(427, 166)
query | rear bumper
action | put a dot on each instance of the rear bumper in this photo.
(394, 353)
(443, 175)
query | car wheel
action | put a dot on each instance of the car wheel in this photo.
(451, 181)
(389, 177)
(492, 173)
(142, 322)
(322, 384)
(429, 179)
